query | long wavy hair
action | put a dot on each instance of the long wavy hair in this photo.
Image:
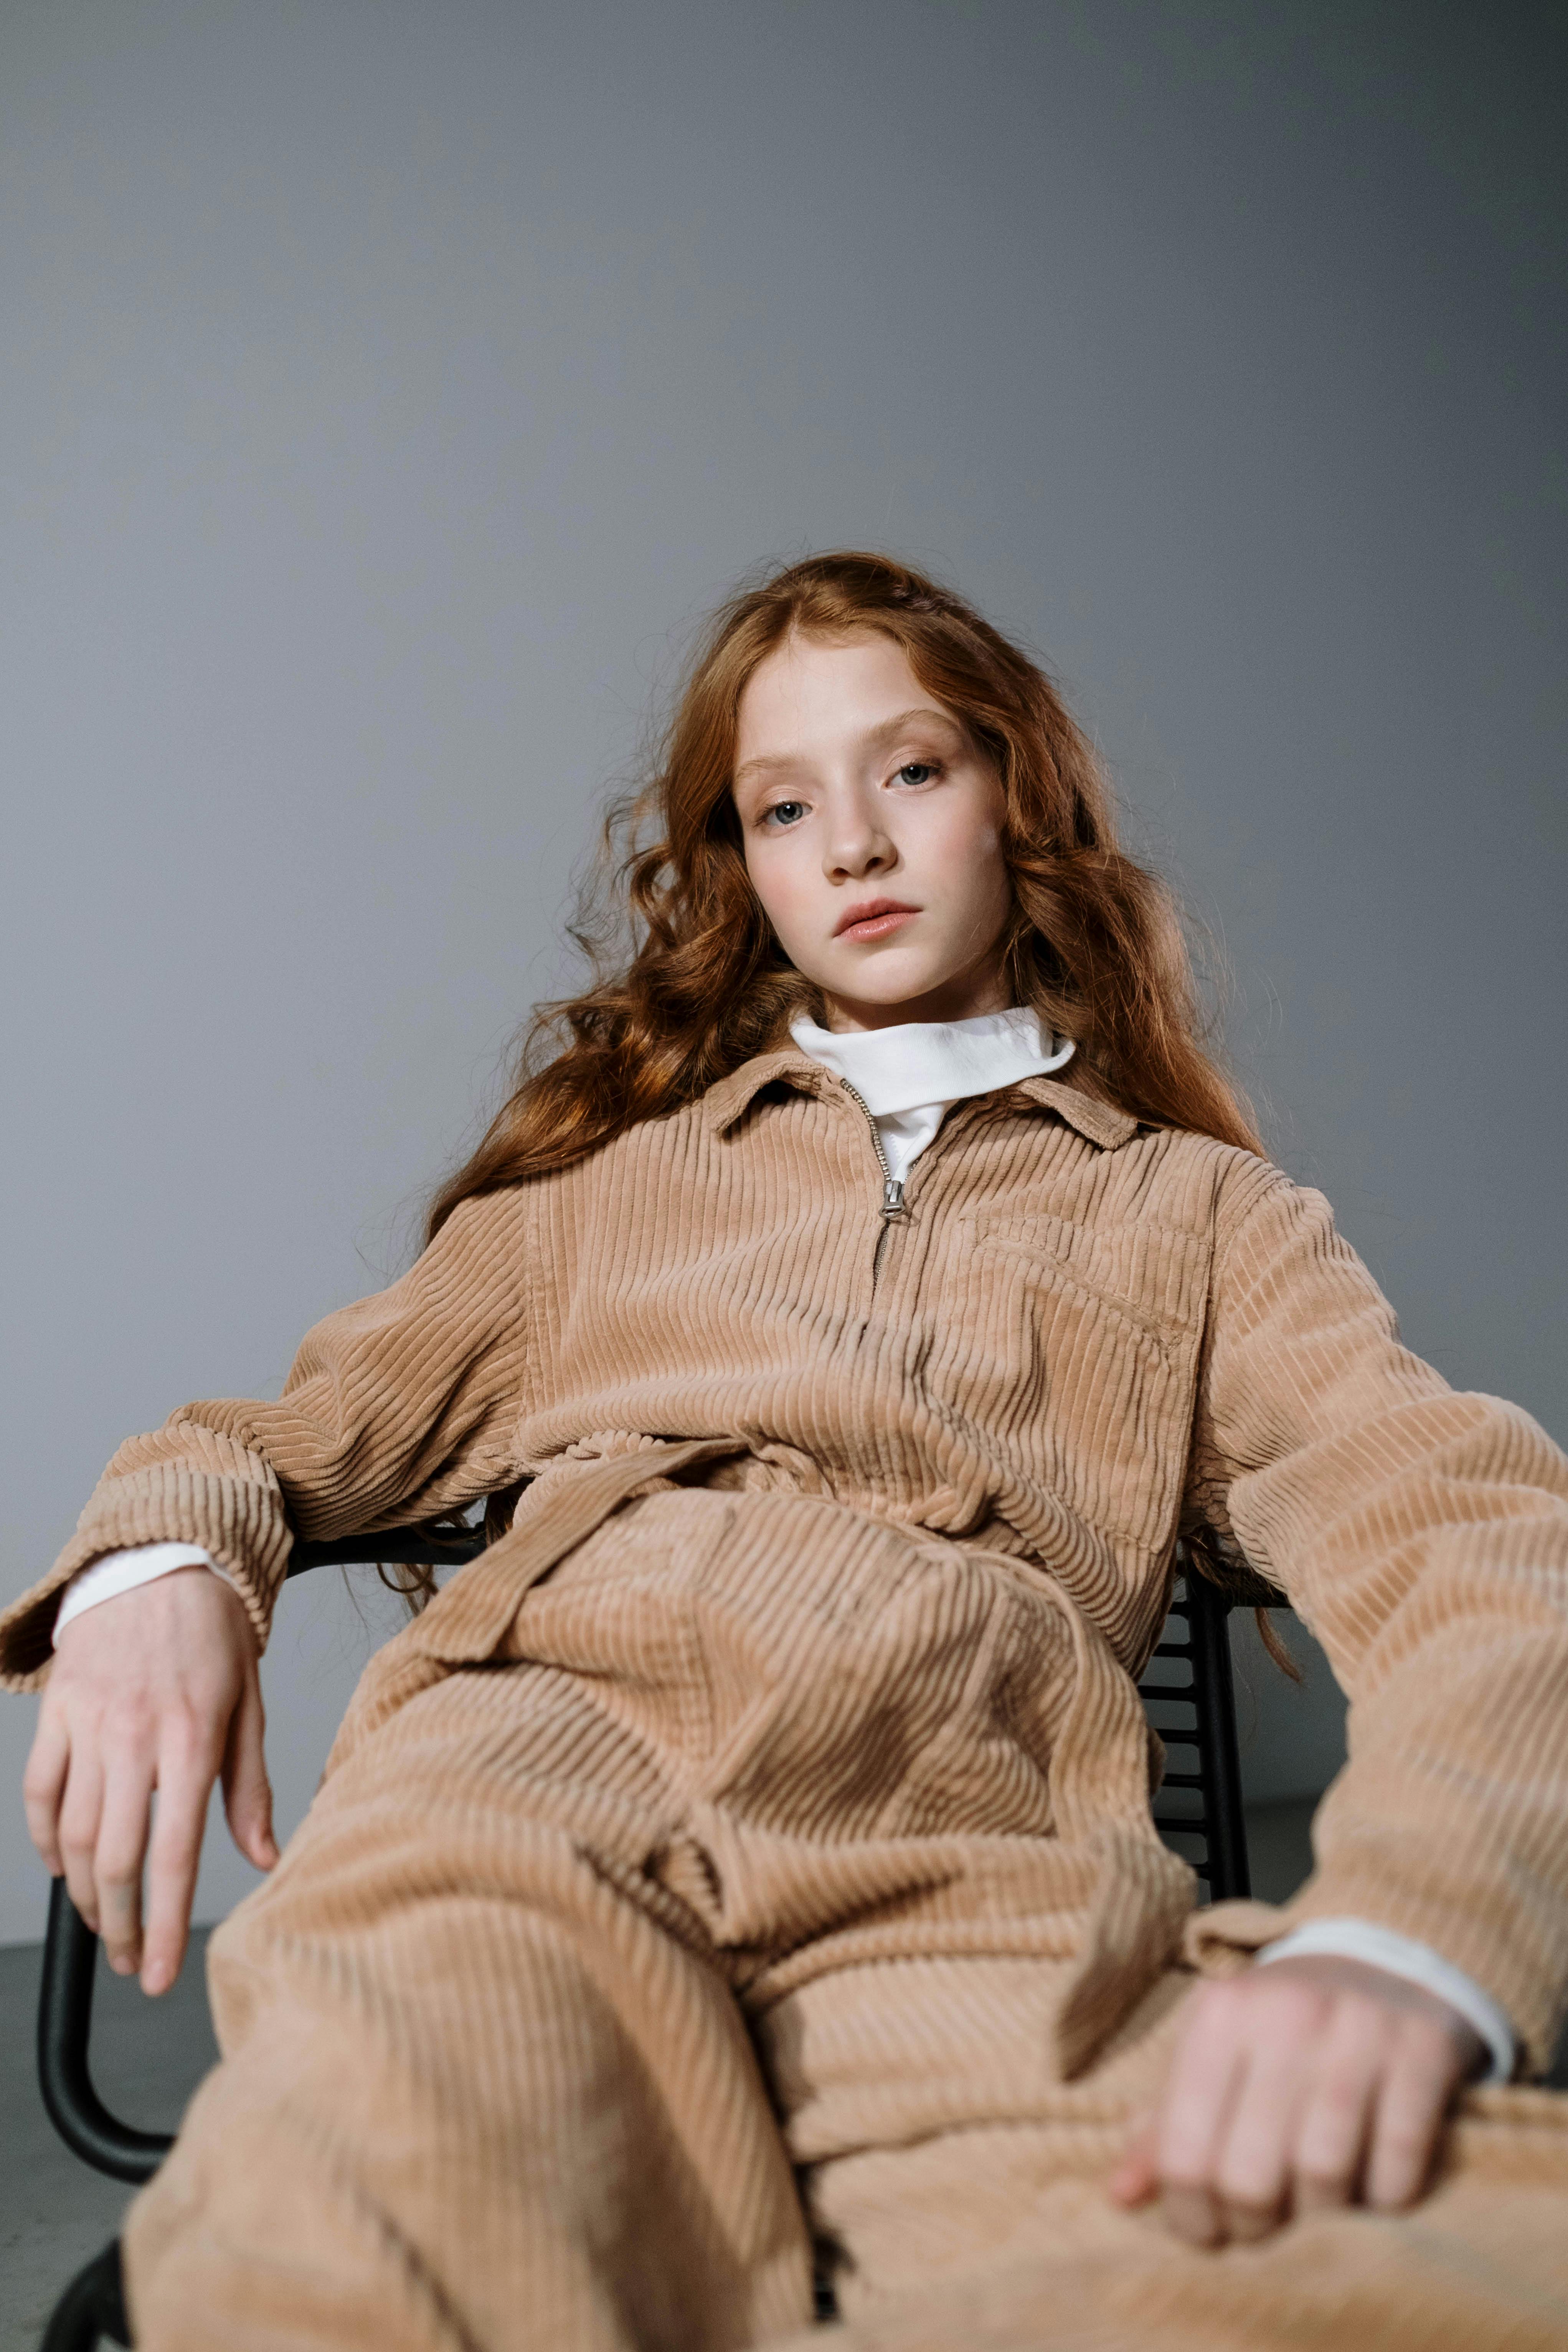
(688, 980)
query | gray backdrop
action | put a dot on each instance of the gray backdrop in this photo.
(386, 387)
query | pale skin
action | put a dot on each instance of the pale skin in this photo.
(1314, 2081)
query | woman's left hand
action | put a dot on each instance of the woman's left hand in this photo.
(1310, 2082)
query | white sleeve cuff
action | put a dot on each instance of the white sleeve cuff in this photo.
(1402, 1956)
(121, 1571)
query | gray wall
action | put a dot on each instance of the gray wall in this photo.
(384, 387)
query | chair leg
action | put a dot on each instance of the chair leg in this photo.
(91, 2308)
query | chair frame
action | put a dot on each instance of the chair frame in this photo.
(92, 2309)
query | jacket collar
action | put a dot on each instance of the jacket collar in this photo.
(727, 1101)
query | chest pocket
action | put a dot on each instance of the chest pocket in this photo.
(1092, 1334)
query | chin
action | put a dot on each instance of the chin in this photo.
(885, 989)
(887, 971)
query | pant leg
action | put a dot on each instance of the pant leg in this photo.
(483, 2085)
(963, 2189)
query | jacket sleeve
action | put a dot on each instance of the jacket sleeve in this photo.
(1422, 1535)
(396, 1408)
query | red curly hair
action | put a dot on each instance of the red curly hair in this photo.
(702, 984)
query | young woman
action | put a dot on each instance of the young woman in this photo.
(862, 1289)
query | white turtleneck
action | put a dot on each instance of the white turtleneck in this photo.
(907, 1077)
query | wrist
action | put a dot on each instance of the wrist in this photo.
(116, 1572)
(1339, 1972)
(1405, 1959)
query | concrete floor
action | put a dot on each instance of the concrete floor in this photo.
(148, 2057)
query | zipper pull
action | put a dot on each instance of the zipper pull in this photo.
(892, 1197)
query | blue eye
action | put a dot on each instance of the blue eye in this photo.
(917, 772)
(787, 812)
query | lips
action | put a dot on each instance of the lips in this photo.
(873, 919)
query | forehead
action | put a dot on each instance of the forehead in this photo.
(814, 695)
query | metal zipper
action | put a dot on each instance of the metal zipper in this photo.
(892, 1188)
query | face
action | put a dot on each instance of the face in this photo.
(872, 824)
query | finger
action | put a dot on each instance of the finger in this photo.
(1418, 2082)
(1203, 2082)
(1252, 2164)
(246, 1790)
(117, 1861)
(43, 1786)
(185, 1775)
(1136, 2176)
(80, 1808)
(1336, 2120)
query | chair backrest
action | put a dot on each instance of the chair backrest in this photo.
(1189, 1697)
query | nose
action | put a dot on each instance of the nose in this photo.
(857, 843)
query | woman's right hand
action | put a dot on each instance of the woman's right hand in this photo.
(157, 1688)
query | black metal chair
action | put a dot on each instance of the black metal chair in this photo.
(1187, 1691)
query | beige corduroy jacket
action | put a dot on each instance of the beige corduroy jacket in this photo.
(1080, 1330)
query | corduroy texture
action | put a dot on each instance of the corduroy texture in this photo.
(1001, 2238)
(487, 2080)
(996, 2235)
(955, 1451)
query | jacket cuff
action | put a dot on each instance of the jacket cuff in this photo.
(240, 1525)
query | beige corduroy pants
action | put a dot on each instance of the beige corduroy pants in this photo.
(546, 2027)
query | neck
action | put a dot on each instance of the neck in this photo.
(964, 998)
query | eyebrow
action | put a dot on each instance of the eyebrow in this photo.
(875, 739)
